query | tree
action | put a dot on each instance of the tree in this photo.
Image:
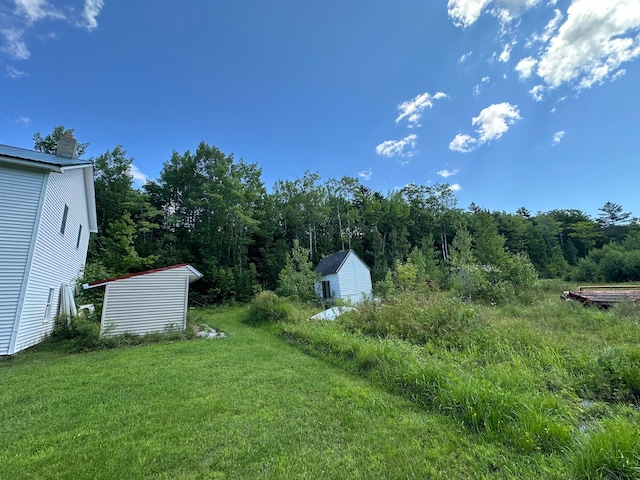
(49, 144)
(612, 214)
(298, 276)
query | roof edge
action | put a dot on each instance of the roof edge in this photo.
(100, 283)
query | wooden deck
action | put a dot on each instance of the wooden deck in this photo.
(604, 296)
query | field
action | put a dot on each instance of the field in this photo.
(544, 391)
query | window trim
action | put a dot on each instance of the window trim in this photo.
(65, 215)
(79, 236)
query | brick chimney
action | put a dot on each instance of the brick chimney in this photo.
(67, 146)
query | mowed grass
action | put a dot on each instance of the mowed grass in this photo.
(246, 406)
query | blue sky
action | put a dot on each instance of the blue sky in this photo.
(514, 103)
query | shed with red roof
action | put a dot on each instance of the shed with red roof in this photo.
(146, 302)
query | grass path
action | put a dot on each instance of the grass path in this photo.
(247, 406)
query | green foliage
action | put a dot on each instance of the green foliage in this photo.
(297, 278)
(49, 144)
(609, 451)
(267, 307)
(440, 320)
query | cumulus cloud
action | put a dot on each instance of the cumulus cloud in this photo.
(557, 137)
(27, 16)
(466, 12)
(412, 109)
(398, 148)
(537, 93)
(492, 122)
(506, 53)
(463, 143)
(455, 187)
(366, 174)
(596, 38)
(447, 173)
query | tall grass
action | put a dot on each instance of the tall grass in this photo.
(516, 374)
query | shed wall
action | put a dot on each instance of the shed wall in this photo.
(17, 225)
(354, 280)
(156, 302)
(56, 258)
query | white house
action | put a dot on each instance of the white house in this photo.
(146, 302)
(47, 210)
(343, 276)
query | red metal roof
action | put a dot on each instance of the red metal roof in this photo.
(108, 280)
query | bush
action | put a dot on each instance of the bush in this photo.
(268, 307)
(418, 323)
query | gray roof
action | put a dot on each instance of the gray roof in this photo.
(332, 263)
(38, 159)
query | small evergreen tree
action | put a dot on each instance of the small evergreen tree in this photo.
(298, 277)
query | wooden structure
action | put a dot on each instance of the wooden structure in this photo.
(604, 296)
(146, 302)
(47, 210)
(343, 276)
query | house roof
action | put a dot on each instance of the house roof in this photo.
(32, 158)
(333, 263)
(193, 276)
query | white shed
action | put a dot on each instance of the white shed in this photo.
(47, 210)
(344, 276)
(146, 302)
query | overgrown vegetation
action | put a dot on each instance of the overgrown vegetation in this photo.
(82, 334)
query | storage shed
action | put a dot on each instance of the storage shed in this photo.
(146, 302)
(47, 210)
(343, 276)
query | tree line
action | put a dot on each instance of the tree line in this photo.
(213, 211)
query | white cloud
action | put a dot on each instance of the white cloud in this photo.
(506, 53)
(525, 67)
(139, 178)
(492, 122)
(591, 45)
(412, 109)
(466, 12)
(537, 92)
(618, 74)
(14, 73)
(447, 173)
(91, 10)
(396, 148)
(463, 143)
(455, 187)
(36, 10)
(38, 16)
(495, 120)
(557, 137)
(465, 57)
(366, 174)
(549, 30)
(14, 45)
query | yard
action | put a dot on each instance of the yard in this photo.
(246, 406)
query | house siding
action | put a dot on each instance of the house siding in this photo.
(56, 259)
(155, 302)
(354, 280)
(17, 226)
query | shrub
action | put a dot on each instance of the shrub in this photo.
(268, 307)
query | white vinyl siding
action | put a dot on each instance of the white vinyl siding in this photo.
(56, 260)
(17, 224)
(153, 302)
(352, 281)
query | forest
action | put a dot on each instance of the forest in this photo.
(213, 211)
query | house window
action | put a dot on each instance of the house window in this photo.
(326, 290)
(47, 310)
(63, 227)
(79, 236)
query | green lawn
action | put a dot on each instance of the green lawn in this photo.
(247, 406)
